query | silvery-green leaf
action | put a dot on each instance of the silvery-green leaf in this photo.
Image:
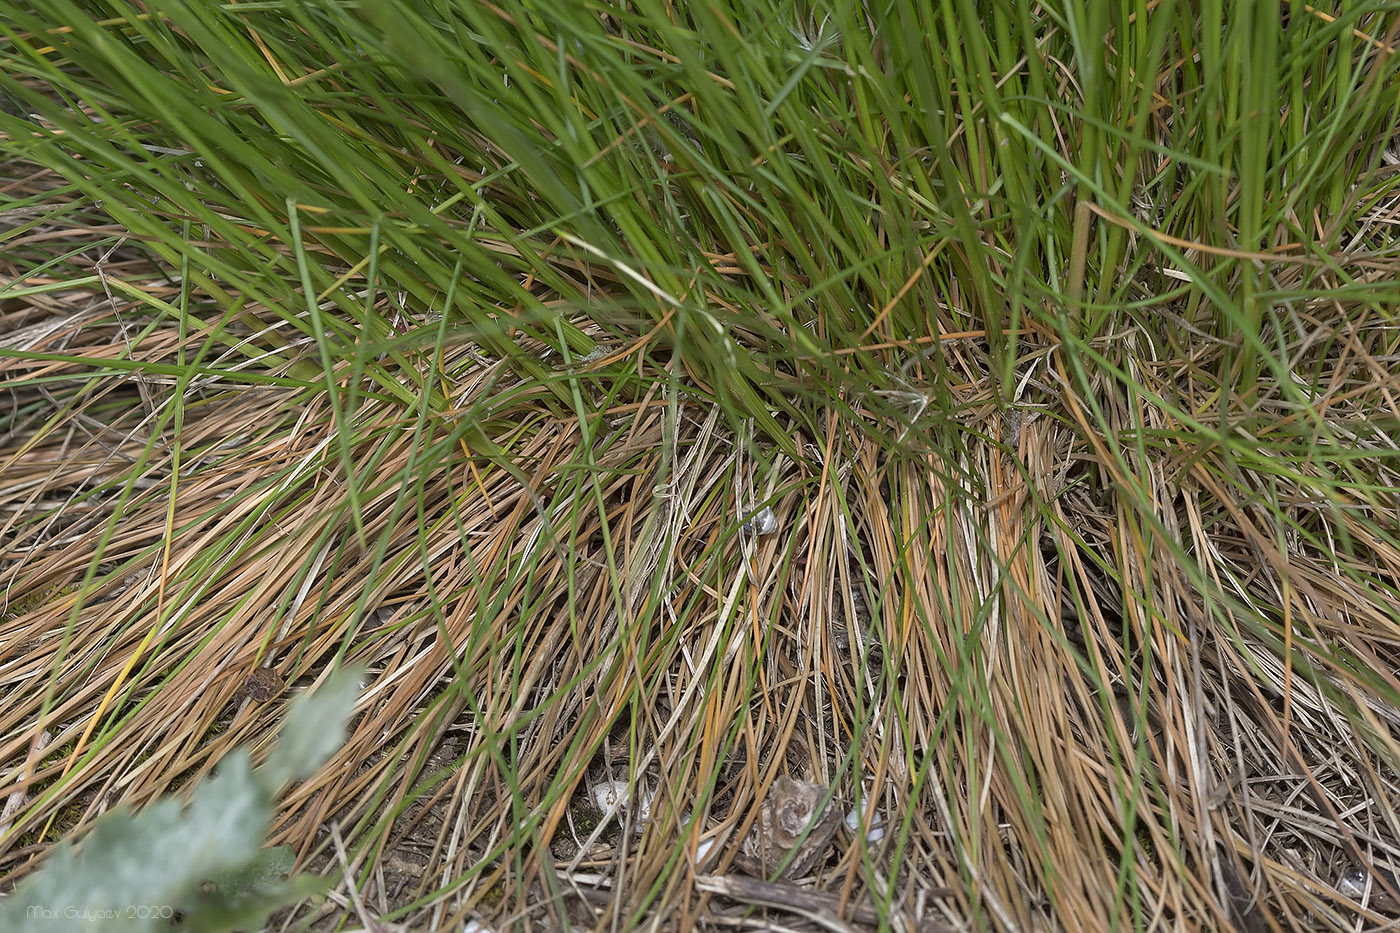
(315, 728)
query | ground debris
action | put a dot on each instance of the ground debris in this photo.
(782, 836)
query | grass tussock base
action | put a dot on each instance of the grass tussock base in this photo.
(1034, 720)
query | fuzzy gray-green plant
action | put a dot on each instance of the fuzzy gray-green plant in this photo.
(200, 867)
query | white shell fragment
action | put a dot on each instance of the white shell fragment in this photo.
(702, 850)
(613, 797)
(874, 833)
(1370, 887)
(764, 523)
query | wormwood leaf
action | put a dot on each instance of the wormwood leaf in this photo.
(243, 898)
(201, 866)
(315, 728)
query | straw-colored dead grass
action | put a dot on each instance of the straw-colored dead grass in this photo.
(916, 636)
